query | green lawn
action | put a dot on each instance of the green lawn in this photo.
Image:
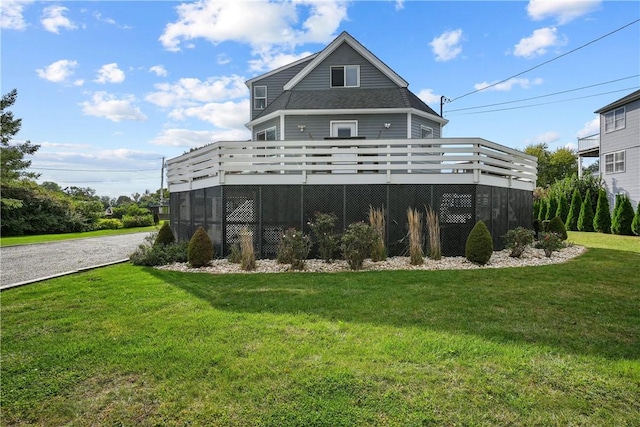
(43, 238)
(124, 345)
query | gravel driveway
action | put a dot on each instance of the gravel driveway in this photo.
(27, 263)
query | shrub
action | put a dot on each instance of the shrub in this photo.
(549, 242)
(635, 224)
(517, 240)
(543, 210)
(552, 207)
(622, 216)
(377, 222)
(479, 246)
(585, 219)
(322, 228)
(153, 255)
(563, 208)
(165, 235)
(545, 225)
(248, 256)
(602, 219)
(356, 244)
(294, 249)
(557, 226)
(200, 251)
(433, 225)
(108, 224)
(416, 256)
(130, 221)
(536, 208)
(537, 227)
(574, 211)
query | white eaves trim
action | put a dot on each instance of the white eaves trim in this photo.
(347, 38)
(328, 112)
(277, 70)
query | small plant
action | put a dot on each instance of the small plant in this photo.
(322, 228)
(622, 216)
(549, 242)
(557, 226)
(416, 256)
(248, 257)
(235, 256)
(200, 252)
(602, 219)
(108, 224)
(585, 219)
(517, 240)
(433, 226)
(377, 222)
(574, 211)
(165, 235)
(294, 249)
(356, 244)
(479, 246)
(151, 255)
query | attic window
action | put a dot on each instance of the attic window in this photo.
(260, 97)
(345, 76)
(614, 120)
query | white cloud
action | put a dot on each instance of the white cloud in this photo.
(279, 22)
(110, 73)
(271, 60)
(547, 137)
(159, 70)
(509, 84)
(191, 91)
(226, 115)
(447, 46)
(538, 43)
(53, 19)
(197, 138)
(106, 105)
(428, 96)
(223, 59)
(399, 4)
(590, 128)
(562, 10)
(57, 72)
(11, 14)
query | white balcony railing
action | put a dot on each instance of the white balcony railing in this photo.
(589, 143)
(401, 161)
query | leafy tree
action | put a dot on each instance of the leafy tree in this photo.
(622, 216)
(602, 220)
(81, 193)
(593, 168)
(574, 211)
(585, 219)
(552, 167)
(51, 186)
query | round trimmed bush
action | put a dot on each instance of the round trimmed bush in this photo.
(165, 235)
(200, 251)
(479, 246)
(557, 226)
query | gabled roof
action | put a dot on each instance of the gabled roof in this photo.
(620, 102)
(346, 38)
(277, 70)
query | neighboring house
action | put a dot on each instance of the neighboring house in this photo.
(339, 131)
(618, 147)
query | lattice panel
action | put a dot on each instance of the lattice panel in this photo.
(271, 236)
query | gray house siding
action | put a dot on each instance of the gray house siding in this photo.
(370, 76)
(417, 122)
(275, 84)
(370, 126)
(627, 139)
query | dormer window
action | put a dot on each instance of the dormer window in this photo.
(260, 97)
(345, 76)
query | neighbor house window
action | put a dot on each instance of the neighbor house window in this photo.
(260, 97)
(614, 120)
(345, 76)
(426, 132)
(267, 134)
(614, 162)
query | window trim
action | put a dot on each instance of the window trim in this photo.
(613, 117)
(344, 68)
(265, 131)
(256, 97)
(338, 122)
(611, 163)
(423, 128)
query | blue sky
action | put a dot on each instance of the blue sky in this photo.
(108, 88)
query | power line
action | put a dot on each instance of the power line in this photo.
(544, 96)
(546, 62)
(547, 103)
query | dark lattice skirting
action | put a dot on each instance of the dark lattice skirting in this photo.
(268, 210)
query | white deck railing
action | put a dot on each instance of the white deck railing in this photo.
(353, 161)
(589, 142)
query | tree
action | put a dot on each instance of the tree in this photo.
(563, 208)
(574, 211)
(585, 220)
(602, 220)
(552, 208)
(552, 167)
(622, 216)
(592, 169)
(635, 224)
(12, 163)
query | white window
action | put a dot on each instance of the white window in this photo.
(345, 76)
(260, 97)
(614, 162)
(426, 132)
(614, 120)
(267, 134)
(344, 129)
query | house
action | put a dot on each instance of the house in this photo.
(340, 131)
(617, 147)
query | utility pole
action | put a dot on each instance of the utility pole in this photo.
(162, 184)
(443, 100)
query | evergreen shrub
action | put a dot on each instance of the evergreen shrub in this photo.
(563, 208)
(557, 226)
(635, 224)
(479, 246)
(585, 219)
(574, 211)
(602, 219)
(165, 235)
(622, 216)
(200, 251)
